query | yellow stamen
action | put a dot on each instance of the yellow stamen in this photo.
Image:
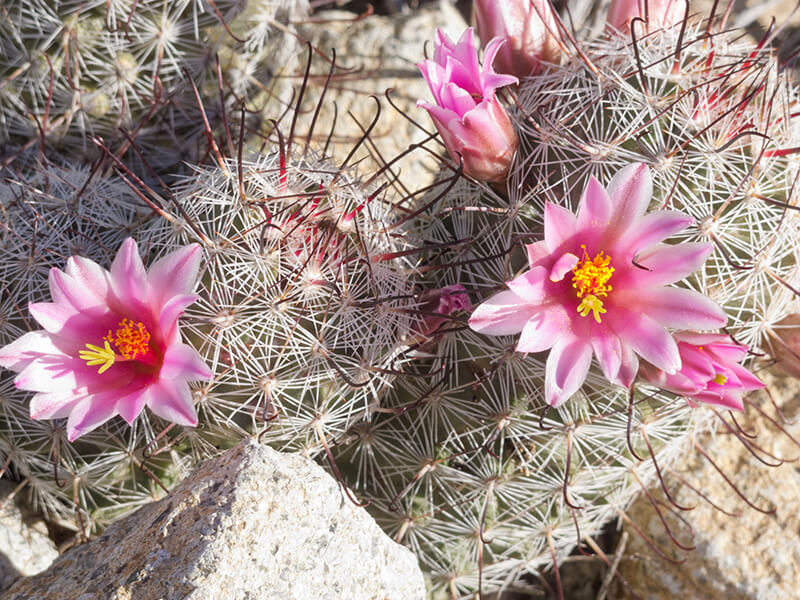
(96, 355)
(131, 339)
(591, 304)
(720, 379)
(590, 279)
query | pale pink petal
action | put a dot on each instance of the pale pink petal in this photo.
(608, 350)
(172, 401)
(563, 265)
(90, 413)
(531, 286)
(175, 274)
(747, 379)
(505, 313)
(64, 289)
(89, 275)
(559, 225)
(19, 353)
(629, 366)
(128, 278)
(566, 369)
(668, 264)
(538, 253)
(51, 373)
(647, 338)
(183, 363)
(731, 400)
(630, 191)
(655, 227)
(543, 329)
(66, 322)
(673, 307)
(54, 405)
(594, 210)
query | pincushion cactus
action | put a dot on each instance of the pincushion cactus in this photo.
(466, 464)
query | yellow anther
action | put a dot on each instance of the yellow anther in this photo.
(96, 355)
(590, 279)
(720, 379)
(131, 338)
(591, 304)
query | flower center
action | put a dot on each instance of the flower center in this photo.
(132, 341)
(720, 379)
(590, 280)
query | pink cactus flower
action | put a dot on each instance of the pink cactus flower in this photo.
(529, 28)
(659, 14)
(110, 344)
(468, 116)
(596, 284)
(710, 371)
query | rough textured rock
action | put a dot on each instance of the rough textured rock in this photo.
(375, 54)
(753, 556)
(25, 548)
(252, 524)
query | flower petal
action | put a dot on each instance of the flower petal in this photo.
(543, 329)
(90, 413)
(505, 313)
(563, 266)
(174, 274)
(54, 405)
(673, 307)
(66, 290)
(19, 353)
(594, 210)
(559, 225)
(130, 405)
(655, 227)
(566, 369)
(172, 401)
(89, 275)
(608, 350)
(629, 366)
(68, 324)
(170, 312)
(668, 264)
(630, 191)
(183, 363)
(129, 280)
(647, 338)
(531, 285)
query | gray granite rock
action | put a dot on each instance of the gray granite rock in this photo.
(25, 548)
(252, 524)
(752, 556)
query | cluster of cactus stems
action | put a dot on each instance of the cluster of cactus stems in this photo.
(319, 308)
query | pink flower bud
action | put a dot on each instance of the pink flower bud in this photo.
(785, 345)
(438, 304)
(659, 14)
(474, 126)
(529, 28)
(710, 371)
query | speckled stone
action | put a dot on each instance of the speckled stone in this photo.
(753, 556)
(252, 524)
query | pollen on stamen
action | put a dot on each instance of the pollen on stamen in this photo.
(132, 339)
(590, 280)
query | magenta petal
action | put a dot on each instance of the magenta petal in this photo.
(543, 329)
(668, 264)
(505, 313)
(531, 285)
(674, 307)
(566, 369)
(747, 379)
(128, 278)
(559, 225)
(174, 274)
(90, 413)
(654, 228)
(172, 401)
(729, 400)
(648, 339)
(170, 312)
(130, 405)
(183, 363)
(595, 206)
(630, 191)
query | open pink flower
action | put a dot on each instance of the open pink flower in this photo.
(596, 284)
(467, 114)
(110, 344)
(658, 14)
(529, 28)
(710, 371)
